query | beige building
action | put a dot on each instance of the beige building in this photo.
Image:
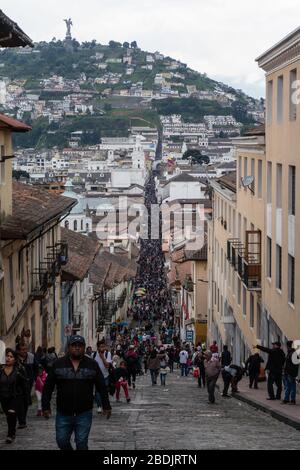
(282, 222)
(31, 253)
(235, 250)
(253, 250)
(189, 283)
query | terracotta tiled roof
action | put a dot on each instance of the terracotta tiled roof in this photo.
(10, 30)
(81, 254)
(7, 122)
(32, 208)
(99, 272)
(197, 255)
(228, 181)
(258, 130)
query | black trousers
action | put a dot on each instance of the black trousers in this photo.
(227, 381)
(22, 411)
(253, 379)
(201, 378)
(277, 379)
(131, 374)
(11, 407)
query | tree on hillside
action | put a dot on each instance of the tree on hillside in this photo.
(126, 45)
(114, 44)
(17, 174)
(196, 157)
(133, 45)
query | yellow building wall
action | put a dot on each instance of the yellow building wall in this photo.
(6, 186)
(283, 144)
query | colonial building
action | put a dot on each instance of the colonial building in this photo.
(253, 250)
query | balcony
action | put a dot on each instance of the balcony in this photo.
(248, 259)
(58, 254)
(234, 245)
(41, 281)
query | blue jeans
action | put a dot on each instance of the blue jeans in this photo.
(163, 379)
(290, 388)
(97, 394)
(154, 373)
(184, 370)
(79, 424)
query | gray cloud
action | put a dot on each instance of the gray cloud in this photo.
(219, 38)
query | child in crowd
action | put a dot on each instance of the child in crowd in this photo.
(121, 374)
(39, 386)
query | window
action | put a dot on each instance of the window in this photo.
(270, 102)
(291, 279)
(233, 223)
(21, 266)
(239, 226)
(81, 225)
(245, 228)
(2, 165)
(293, 88)
(258, 321)
(278, 267)
(239, 291)
(66, 224)
(292, 190)
(279, 187)
(269, 257)
(269, 183)
(245, 169)
(259, 179)
(251, 311)
(11, 277)
(244, 301)
(253, 174)
(75, 225)
(280, 99)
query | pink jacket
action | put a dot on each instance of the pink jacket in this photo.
(40, 382)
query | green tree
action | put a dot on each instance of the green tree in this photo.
(114, 44)
(126, 45)
(196, 156)
(17, 174)
(133, 45)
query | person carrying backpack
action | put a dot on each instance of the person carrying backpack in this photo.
(104, 360)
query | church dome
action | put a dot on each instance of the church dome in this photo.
(80, 206)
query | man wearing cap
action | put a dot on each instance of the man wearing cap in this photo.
(274, 365)
(74, 376)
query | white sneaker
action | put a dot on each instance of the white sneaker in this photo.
(99, 410)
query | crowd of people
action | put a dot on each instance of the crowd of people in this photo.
(149, 342)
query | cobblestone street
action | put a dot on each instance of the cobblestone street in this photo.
(177, 418)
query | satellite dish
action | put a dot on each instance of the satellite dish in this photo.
(247, 181)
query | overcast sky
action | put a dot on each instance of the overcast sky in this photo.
(219, 37)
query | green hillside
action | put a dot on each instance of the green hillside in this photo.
(85, 69)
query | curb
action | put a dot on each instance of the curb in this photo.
(266, 409)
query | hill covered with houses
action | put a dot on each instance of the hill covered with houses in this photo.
(103, 90)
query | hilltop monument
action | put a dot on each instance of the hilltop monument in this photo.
(69, 23)
(68, 40)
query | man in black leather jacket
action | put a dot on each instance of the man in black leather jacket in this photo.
(74, 376)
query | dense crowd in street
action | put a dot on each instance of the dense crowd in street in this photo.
(148, 342)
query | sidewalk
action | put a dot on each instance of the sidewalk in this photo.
(289, 414)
